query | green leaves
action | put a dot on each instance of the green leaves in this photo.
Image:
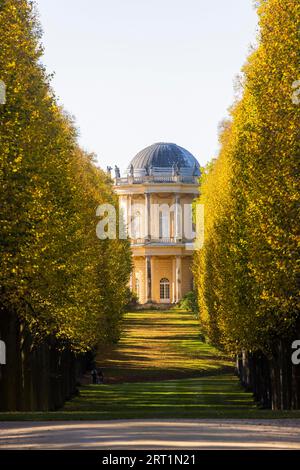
(247, 272)
(52, 263)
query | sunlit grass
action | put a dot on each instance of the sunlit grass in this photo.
(173, 398)
(160, 369)
(160, 345)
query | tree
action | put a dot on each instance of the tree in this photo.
(56, 276)
(247, 274)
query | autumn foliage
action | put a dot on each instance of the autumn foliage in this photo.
(55, 274)
(248, 271)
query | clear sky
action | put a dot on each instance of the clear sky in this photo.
(136, 72)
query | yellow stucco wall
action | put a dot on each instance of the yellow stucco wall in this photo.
(162, 268)
(187, 276)
(163, 257)
(139, 273)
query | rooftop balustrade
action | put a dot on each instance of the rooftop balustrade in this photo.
(165, 179)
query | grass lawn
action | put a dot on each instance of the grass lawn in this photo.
(160, 346)
(160, 369)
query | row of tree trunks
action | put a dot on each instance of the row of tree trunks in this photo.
(36, 377)
(274, 380)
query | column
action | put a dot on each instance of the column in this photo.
(148, 279)
(148, 216)
(129, 214)
(152, 293)
(178, 278)
(178, 228)
(174, 280)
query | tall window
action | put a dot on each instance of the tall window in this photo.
(164, 224)
(136, 225)
(165, 289)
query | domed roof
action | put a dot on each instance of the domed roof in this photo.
(164, 156)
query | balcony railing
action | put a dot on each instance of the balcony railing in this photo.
(156, 179)
(160, 241)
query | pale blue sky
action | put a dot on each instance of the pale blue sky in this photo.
(136, 72)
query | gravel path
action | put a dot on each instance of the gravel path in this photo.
(152, 434)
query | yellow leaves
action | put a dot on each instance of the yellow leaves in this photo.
(11, 65)
(50, 190)
(246, 274)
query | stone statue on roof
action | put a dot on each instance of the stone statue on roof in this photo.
(117, 172)
(176, 169)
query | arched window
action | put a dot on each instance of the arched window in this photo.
(165, 289)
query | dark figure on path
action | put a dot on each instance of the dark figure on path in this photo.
(100, 376)
(94, 375)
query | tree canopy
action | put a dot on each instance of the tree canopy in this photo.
(55, 273)
(247, 273)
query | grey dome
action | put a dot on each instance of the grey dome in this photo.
(162, 157)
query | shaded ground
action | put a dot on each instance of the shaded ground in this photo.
(184, 398)
(160, 369)
(154, 434)
(160, 346)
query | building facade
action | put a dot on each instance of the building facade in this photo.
(156, 198)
